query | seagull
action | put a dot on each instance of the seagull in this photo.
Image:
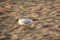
(26, 21)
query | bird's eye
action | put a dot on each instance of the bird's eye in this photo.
(17, 20)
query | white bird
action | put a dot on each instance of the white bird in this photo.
(24, 21)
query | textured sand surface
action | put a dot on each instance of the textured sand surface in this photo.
(46, 28)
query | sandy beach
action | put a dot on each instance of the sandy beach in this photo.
(46, 28)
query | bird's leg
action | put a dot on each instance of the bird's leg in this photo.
(24, 27)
